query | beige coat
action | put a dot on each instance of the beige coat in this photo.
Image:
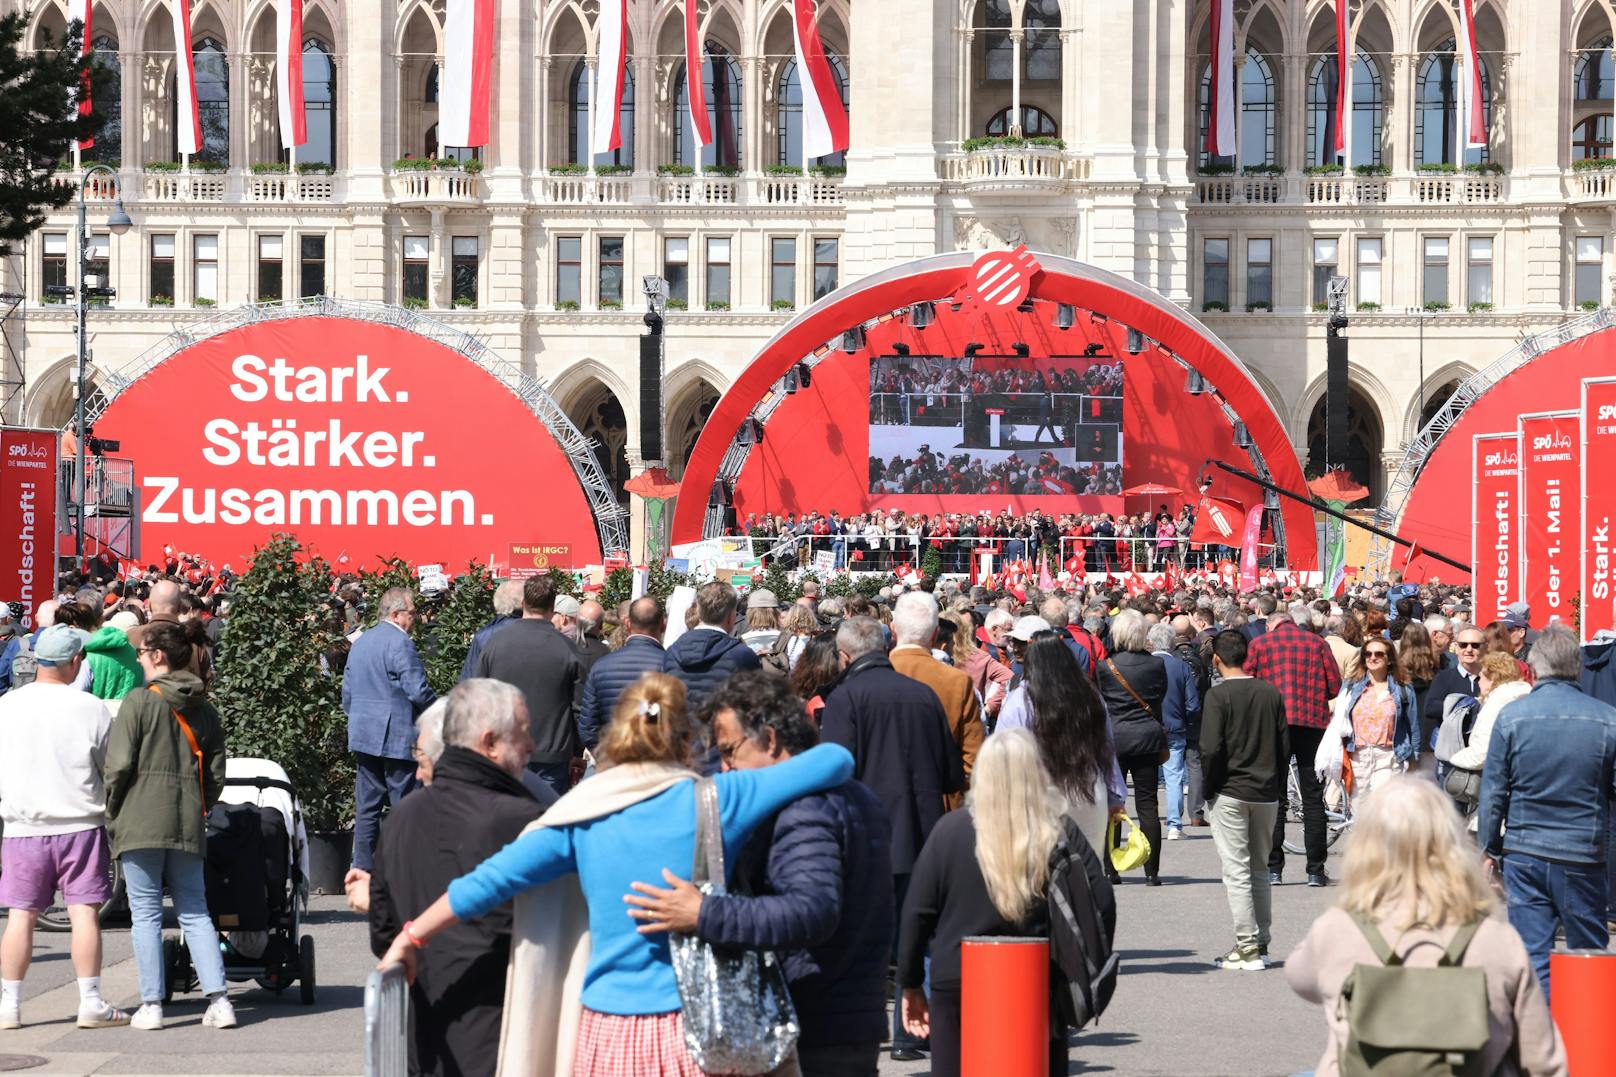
(1522, 1040)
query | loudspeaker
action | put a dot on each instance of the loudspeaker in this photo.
(1335, 402)
(651, 397)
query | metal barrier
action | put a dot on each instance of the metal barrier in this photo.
(387, 1023)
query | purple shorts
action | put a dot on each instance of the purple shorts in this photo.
(33, 869)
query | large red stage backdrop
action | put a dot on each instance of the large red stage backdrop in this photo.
(1598, 502)
(1495, 553)
(359, 438)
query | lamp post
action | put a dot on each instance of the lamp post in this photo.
(118, 223)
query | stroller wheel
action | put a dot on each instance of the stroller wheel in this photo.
(171, 966)
(305, 976)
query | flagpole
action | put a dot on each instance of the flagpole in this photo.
(590, 68)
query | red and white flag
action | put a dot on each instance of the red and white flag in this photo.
(610, 64)
(187, 120)
(1475, 127)
(289, 72)
(824, 119)
(1220, 140)
(695, 86)
(466, 92)
(1343, 78)
(82, 11)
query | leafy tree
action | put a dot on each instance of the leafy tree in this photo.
(276, 696)
(466, 607)
(39, 122)
(395, 572)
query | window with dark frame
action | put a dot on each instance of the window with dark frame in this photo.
(718, 248)
(271, 272)
(1589, 282)
(1479, 270)
(98, 267)
(311, 266)
(161, 290)
(53, 266)
(1215, 272)
(569, 269)
(1326, 264)
(1434, 270)
(205, 268)
(827, 265)
(609, 278)
(676, 267)
(782, 271)
(463, 270)
(417, 267)
(1259, 273)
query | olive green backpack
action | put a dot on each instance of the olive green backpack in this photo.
(1414, 1022)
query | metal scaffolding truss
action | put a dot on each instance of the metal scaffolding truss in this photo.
(1470, 390)
(610, 518)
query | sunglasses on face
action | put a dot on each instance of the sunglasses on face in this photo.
(1376, 654)
(1463, 646)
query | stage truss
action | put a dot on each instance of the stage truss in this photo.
(611, 521)
(1470, 390)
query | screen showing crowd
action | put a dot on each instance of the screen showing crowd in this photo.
(995, 425)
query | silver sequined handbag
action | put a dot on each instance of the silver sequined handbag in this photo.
(738, 1015)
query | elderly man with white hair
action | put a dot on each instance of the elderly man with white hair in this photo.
(475, 805)
(914, 629)
(996, 632)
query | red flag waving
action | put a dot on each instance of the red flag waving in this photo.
(1218, 521)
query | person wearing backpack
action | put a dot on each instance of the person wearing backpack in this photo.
(1413, 967)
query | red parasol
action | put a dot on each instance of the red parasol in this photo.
(653, 482)
(1337, 485)
(1151, 489)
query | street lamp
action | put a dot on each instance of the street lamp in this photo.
(118, 223)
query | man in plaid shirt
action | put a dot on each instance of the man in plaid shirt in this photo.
(1301, 665)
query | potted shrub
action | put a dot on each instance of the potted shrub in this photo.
(567, 169)
(465, 302)
(827, 170)
(161, 300)
(1262, 305)
(464, 608)
(1262, 170)
(568, 304)
(721, 170)
(675, 170)
(412, 302)
(783, 304)
(412, 164)
(316, 168)
(1437, 306)
(1479, 307)
(277, 701)
(1593, 164)
(1321, 308)
(208, 166)
(1368, 306)
(1438, 167)
(203, 301)
(1323, 170)
(1589, 304)
(271, 168)
(611, 304)
(678, 304)
(782, 170)
(162, 166)
(1371, 170)
(717, 304)
(613, 170)
(1485, 168)
(472, 167)
(1212, 305)
(1216, 169)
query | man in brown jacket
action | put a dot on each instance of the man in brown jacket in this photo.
(914, 628)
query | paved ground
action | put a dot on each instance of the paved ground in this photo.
(1173, 1014)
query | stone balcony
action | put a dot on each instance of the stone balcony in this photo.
(434, 189)
(1400, 189)
(1012, 168)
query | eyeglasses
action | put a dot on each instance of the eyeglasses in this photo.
(1464, 645)
(1376, 654)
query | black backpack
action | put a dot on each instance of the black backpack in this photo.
(1082, 925)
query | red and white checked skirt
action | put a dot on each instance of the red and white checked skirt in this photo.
(648, 1046)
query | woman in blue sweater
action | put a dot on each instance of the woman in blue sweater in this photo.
(573, 940)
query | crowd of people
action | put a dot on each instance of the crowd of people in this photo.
(885, 776)
(1075, 543)
(931, 472)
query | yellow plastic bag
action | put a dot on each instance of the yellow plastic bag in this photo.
(1131, 854)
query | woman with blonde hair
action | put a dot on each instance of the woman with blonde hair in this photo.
(1501, 684)
(1375, 715)
(990, 677)
(591, 996)
(983, 871)
(1413, 878)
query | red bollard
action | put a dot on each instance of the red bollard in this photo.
(1004, 1007)
(1582, 984)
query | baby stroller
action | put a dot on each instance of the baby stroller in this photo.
(257, 870)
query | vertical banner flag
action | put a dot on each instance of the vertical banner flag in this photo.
(695, 86)
(466, 90)
(289, 72)
(28, 517)
(1343, 76)
(1598, 503)
(83, 11)
(1335, 552)
(187, 120)
(1551, 533)
(1475, 124)
(610, 63)
(1220, 106)
(824, 119)
(1495, 545)
(1248, 548)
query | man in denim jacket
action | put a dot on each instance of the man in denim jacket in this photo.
(1546, 794)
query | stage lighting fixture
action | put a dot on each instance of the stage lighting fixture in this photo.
(805, 377)
(1021, 349)
(971, 349)
(853, 339)
(1136, 342)
(922, 314)
(1242, 436)
(901, 348)
(1065, 316)
(751, 433)
(1195, 385)
(1270, 501)
(720, 495)
(1026, 306)
(1092, 348)
(789, 383)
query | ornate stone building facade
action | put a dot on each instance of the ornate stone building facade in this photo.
(539, 249)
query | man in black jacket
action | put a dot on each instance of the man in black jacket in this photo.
(821, 874)
(544, 665)
(902, 749)
(475, 806)
(708, 654)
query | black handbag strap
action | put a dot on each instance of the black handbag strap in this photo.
(1137, 698)
(709, 865)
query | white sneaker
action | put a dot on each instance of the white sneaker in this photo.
(220, 1014)
(10, 1015)
(1174, 833)
(149, 1018)
(105, 1015)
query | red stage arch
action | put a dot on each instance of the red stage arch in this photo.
(814, 456)
(1437, 513)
